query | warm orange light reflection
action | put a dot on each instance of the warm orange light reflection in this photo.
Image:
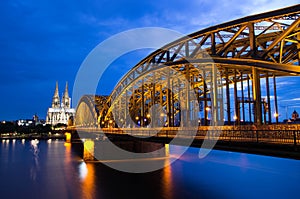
(68, 152)
(68, 137)
(87, 171)
(167, 173)
(88, 152)
(68, 146)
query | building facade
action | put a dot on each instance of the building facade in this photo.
(60, 112)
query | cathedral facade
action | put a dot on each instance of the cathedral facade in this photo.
(60, 111)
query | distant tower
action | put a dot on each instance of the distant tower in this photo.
(55, 98)
(35, 118)
(66, 100)
(295, 115)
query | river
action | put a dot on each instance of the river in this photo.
(53, 169)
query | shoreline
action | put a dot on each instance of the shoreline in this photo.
(267, 149)
(30, 137)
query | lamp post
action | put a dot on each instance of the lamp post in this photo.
(207, 109)
(234, 118)
(276, 117)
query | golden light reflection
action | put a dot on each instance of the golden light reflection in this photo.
(13, 143)
(68, 153)
(167, 173)
(68, 146)
(87, 177)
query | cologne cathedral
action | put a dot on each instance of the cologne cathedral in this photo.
(60, 111)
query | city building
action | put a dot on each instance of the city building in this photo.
(30, 122)
(60, 112)
(294, 120)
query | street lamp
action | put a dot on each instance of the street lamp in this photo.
(234, 118)
(207, 108)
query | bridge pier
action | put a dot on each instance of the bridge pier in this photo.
(256, 96)
(88, 150)
(68, 137)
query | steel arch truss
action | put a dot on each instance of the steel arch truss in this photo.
(244, 51)
(87, 111)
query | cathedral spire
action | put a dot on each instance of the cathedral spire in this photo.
(61, 111)
(66, 99)
(55, 99)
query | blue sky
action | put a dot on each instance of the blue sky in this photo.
(44, 41)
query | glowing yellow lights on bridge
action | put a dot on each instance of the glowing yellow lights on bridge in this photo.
(207, 108)
(275, 114)
(235, 117)
(137, 118)
(110, 121)
(148, 115)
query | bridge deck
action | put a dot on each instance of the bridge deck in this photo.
(277, 134)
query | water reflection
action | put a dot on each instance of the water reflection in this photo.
(167, 174)
(87, 177)
(47, 172)
(35, 152)
(82, 171)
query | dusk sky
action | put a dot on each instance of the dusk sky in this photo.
(44, 41)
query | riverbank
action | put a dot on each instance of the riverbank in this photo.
(33, 136)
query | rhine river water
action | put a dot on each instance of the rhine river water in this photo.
(52, 169)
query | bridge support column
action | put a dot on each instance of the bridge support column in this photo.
(243, 97)
(268, 99)
(228, 96)
(236, 102)
(275, 99)
(256, 96)
(215, 102)
(206, 108)
(143, 105)
(168, 95)
(249, 99)
(88, 150)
